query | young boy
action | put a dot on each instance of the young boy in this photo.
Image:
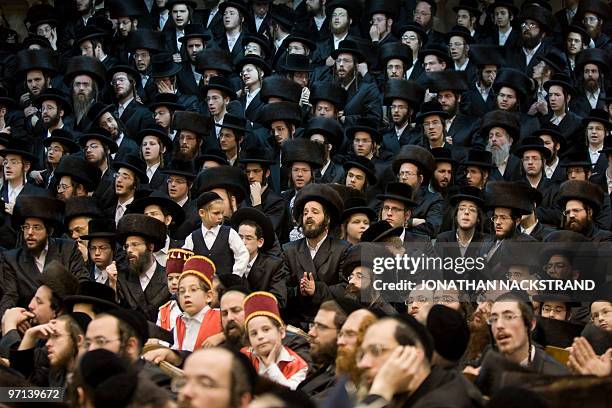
(168, 313)
(198, 321)
(219, 243)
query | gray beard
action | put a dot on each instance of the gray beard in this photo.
(81, 106)
(499, 154)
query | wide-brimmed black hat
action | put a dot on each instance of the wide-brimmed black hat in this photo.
(286, 111)
(297, 35)
(169, 100)
(162, 65)
(144, 226)
(20, 148)
(386, 7)
(417, 155)
(143, 39)
(330, 129)
(280, 87)
(261, 40)
(80, 170)
(100, 134)
(297, 63)
(98, 109)
(259, 218)
(598, 115)
(100, 228)
(597, 7)
(577, 158)
(470, 5)
(449, 331)
(578, 29)
(595, 56)
(93, 293)
(380, 231)
(554, 60)
(447, 81)
(349, 47)
(215, 155)
(364, 164)
(123, 8)
(162, 200)
(81, 207)
(514, 79)
(330, 92)
(399, 192)
(34, 39)
(367, 125)
(468, 193)
(195, 31)
(54, 94)
(353, 9)
(431, 108)
(256, 154)
(509, 4)
(303, 150)
(191, 121)
(220, 83)
(503, 119)
(479, 158)
(256, 61)
(561, 80)
(437, 49)
(46, 208)
(41, 14)
(234, 122)
(128, 70)
(237, 4)
(443, 155)
(91, 32)
(152, 129)
(214, 59)
(229, 178)
(460, 31)
(84, 65)
(532, 143)
(135, 164)
(486, 54)
(357, 205)
(183, 168)
(409, 91)
(283, 15)
(584, 191)
(190, 3)
(413, 26)
(323, 194)
(45, 60)
(555, 332)
(64, 138)
(507, 194)
(396, 50)
(553, 131)
(540, 15)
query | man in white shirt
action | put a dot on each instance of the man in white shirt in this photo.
(101, 245)
(130, 174)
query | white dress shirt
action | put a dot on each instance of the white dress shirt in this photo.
(100, 275)
(163, 18)
(555, 120)
(14, 192)
(503, 37)
(147, 275)
(594, 153)
(192, 329)
(528, 231)
(549, 170)
(273, 373)
(484, 92)
(151, 170)
(41, 258)
(231, 40)
(593, 98)
(121, 107)
(211, 15)
(179, 34)
(162, 255)
(319, 20)
(315, 249)
(462, 67)
(529, 54)
(337, 41)
(250, 96)
(121, 209)
(250, 265)
(259, 21)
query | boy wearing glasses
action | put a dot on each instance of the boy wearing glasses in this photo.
(166, 318)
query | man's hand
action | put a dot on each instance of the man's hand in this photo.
(307, 284)
(397, 374)
(29, 111)
(36, 175)
(417, 221)
(14, 317)
(584, 361)
(40, 332)
(305, 97)
(83, 249)
(177, 58)
(8, 207)
(256, 191)
(163, 88)
(162, 354)
(111, 270)
(330, 62)
(214, 340)
(374, 34)
(362, 68)
(6, 130)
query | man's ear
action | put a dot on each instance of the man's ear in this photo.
(135, 23)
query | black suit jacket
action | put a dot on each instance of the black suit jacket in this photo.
(447, 246)
(237, 52)
(186, 81)
(251, 112)
(28, 189)
(269, 274)
(273, 205)
(148, 302)
(474, 105)
(540, 231)
(462, 130)
(512, 172)
(134, 117)
(20, 275)
(494, 269)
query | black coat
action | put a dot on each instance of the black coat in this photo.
(474, 105)
(148, 302)
(105, 192)
(447, 246)
(186, 81)
(462, 130)
(493, 269)
(251, 112)
(269, 274)
(569, 127)
(134, 117)
(238, 51)
(540, 231)
(28, 189)
(20, 275)
(430, 207)
(512, 172)
(273, 205)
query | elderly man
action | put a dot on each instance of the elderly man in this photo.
(86, 78)
(500, 129)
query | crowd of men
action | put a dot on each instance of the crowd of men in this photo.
(199, 199)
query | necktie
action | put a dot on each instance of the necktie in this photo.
(119, 213)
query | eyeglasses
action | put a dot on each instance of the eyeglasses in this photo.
(35, 228)
(375, 350)
(420, 13)
(506, 318)
(129, 245)
(99, 341)
(63, 187)
(530, 26)
(92, 146)
(56, 149)
(409, 38)
(471, 210)
(573, 211)
(387, 208)
(501, 218)
(191, 290)
(321, 327)
(554, 265)
(407, 174)
(12, 162)
(549, 309)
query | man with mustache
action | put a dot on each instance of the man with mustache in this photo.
(142, 45)
(596, 12)
(129, 110)
(349, 337)
(536, 24)
(444, 171)
(591, 66)
(105, 117)
(340, 16)
(194, 41)
(130, 175)
(500, 129)
(581, 201)
(86, 78)
(192, 129)
(402, 99)
(37, 68)
(98, 145)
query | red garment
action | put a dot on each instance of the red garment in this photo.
(211, 325)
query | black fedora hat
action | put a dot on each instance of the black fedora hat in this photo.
(417, 155)
(507, 194)
(46, 208)
(169, 100)
(191, 121)
(283, 15)
(508, 4)
(229, 178)
(303, 150)
(431, 108)
(257, 154)
(19, 147)
(577, 158)
(128, 70)
(222, 84)
(135, 164)
(37, 40)
(349, 47)
(329, 92)
(234, 122)
(532, 143)
(256, 61)
(330, 129)
(254, 215)
(364, 165)
(152, 129)
(80, 170)
(298, 35)
(98, 109)
(580, 30)
(94, 293)
(447, 81)
(353, 9)
(514, 79)
(396, 50)
(541, 15)
(215, 155)
(443, 155)
(195, 31)
(389, 8)
(163, 201)
(468, 193)
(40, 14)
(554, 60)
(237, 4)
(595, 56)
(553, 131)
(479, 158)
(54, 94)
(297, 63)
(401, 29)
(45, 60)
(380, 231)
(399, 192)
(486, 54)
(144, 226)
(357, 205)
(81, 207)
(280, 87)
(600, 116)
(261, 40)
(84, 65)
(189, 3)
(64, 138)
(437, 49)
(143, 39)
(580, 190)
(100, 134)
(123, 8)
(460, 31)
(367, 125)
(503, 119)
(286, 111)
(101, 228)
(183, 168)
(91, 32)
(162, 65)
(323, 194)
(561, 80)
(214, 59)
(470, 5)
(406, 90)
(597, 7)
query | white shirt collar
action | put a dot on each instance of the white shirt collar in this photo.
(313, 251)
(462, 67)
(198, 317)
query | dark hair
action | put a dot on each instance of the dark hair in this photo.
(243, 376)
(409, 332)
(258, 230)
(479, 218)
(339, 314)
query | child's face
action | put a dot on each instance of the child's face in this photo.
(173, 282)
(212, 216)
(192, 298)
(264, 334)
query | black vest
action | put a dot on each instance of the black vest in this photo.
(220, 253)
